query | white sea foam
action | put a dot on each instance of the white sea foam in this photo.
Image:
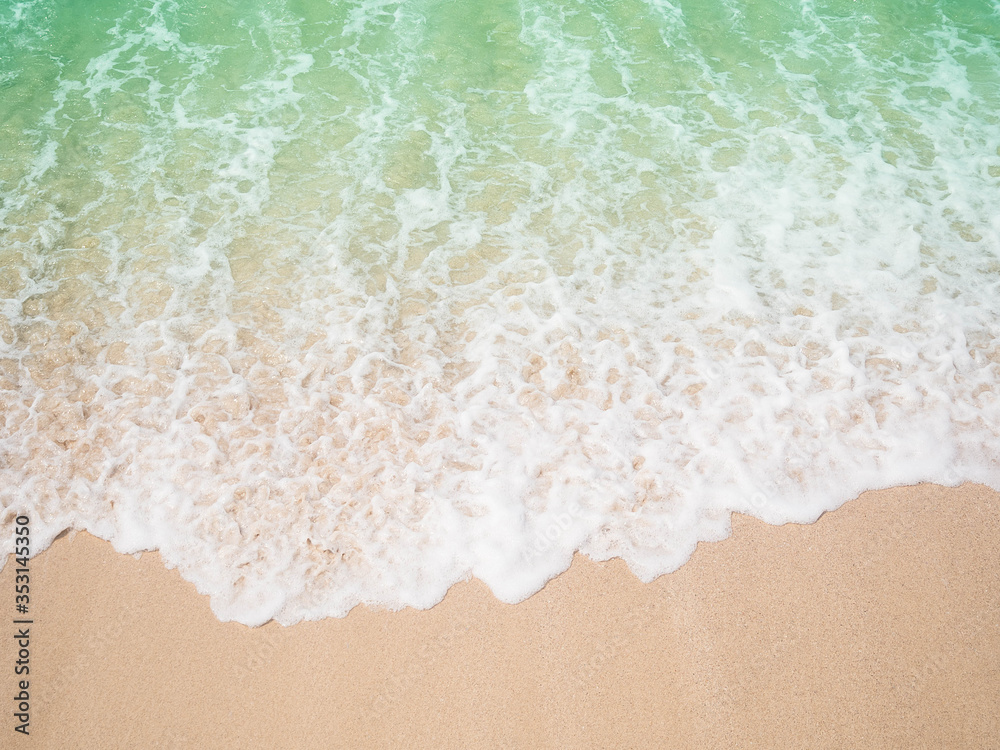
(348, 307)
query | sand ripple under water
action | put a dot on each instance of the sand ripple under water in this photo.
(341, 303)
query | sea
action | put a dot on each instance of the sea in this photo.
(340, 302)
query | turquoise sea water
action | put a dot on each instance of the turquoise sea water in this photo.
(340, 302)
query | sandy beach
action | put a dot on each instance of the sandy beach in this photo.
(327, 305)
(878, 626)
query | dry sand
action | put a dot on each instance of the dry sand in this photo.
(876, 627)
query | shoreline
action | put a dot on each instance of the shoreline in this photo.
(876, 626)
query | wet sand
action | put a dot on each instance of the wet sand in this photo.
(876, 627)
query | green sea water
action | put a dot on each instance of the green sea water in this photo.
(345, 301)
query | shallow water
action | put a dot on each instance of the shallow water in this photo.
(345, 302)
